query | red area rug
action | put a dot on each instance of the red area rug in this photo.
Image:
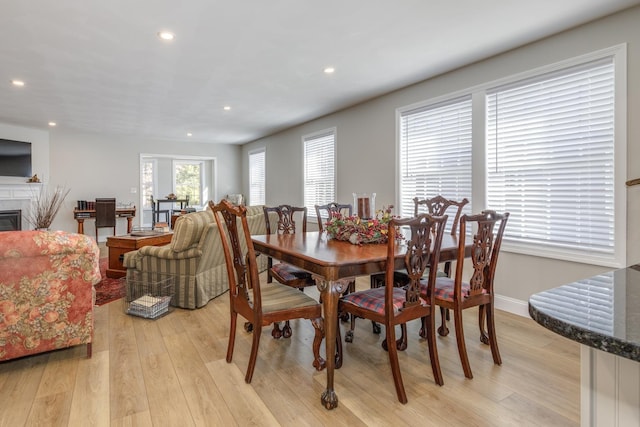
(108, 289)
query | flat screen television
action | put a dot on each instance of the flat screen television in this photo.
(15, 158)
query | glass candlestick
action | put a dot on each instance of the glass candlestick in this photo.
(364, 205)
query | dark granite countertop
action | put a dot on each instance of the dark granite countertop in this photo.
(602, 311)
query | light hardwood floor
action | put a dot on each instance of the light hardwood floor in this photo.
(172, 372)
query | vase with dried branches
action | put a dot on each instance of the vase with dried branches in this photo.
(45, 206)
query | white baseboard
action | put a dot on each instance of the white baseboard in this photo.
(512, 305)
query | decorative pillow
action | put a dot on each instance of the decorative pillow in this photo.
(189, 230)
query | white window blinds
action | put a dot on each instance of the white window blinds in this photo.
(319, 169)
(435, 153)
(257, 177)
(550, 148)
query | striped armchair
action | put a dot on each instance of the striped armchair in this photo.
(194, 257)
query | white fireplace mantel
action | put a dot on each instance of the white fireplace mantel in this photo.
(19, 197)
(25, 191)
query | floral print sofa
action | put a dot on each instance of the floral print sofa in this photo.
(47, 291)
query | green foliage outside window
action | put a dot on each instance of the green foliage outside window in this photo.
(189, 182)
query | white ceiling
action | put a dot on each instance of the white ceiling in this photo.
(98, 66)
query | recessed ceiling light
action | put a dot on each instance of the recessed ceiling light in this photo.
(189, 134)
(329, 70)
(19, 83)
(52, 124)
(166, 35)
(226, 108)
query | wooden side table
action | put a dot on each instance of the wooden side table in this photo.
(119, 245)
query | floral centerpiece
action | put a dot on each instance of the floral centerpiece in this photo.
(357, 230)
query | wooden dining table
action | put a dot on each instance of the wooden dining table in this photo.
(332, 262)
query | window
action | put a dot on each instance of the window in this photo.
(319, 169)
(435, 153)
(188, 179)
(550, 150)
(148, 178)
(257, 177)
(549, 146)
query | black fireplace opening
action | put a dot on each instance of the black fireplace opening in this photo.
(10, 220)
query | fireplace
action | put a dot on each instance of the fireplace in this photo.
(10, 220)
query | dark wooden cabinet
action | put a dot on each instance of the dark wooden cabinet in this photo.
(119, 245)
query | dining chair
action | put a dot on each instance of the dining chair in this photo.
(260, 303)
(324, 214)
(156, 211)
(457, 295)
(438, 206)
(105, 214)
(283, 272)
(392, 306)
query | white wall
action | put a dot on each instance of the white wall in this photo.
(366, 144)
(105, 166)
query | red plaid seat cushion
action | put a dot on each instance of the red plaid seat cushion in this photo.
(444, 288)
(373, 299)
(289, 272)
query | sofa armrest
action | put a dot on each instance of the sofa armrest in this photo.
(165, 252)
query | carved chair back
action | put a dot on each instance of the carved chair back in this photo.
(242, 268)
(325, 212)
(438, 206)
(286, 218)
(488, 230)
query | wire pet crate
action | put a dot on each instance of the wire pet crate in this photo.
(149, 295)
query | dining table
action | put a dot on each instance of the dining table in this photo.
(333, 262)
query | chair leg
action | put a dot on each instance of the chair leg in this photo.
(395, 366)
(493, 339)
(375, 283)
(338, 361)
(443, 330)
(89, 350)
(430, 331)
(346, 316)
(286, 330)
(257, 331)
(481, 315)
(318, 362)
(232, 335)
(401, 343)
(276, 333)
(462, 348)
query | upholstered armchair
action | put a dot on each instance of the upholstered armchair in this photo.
(47, 291)
(194, 258)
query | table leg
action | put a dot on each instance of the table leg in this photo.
(331, 291)
(80, 225)
(129, 224)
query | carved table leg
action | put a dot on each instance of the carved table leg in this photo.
(330, 292)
